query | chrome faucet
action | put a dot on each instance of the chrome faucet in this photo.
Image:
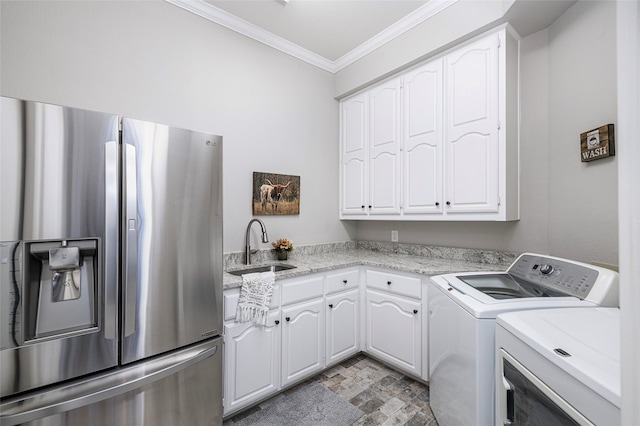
(247, 240)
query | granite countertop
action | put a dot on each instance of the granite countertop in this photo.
(458, 261)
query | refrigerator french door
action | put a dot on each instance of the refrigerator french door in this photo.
(111, 271)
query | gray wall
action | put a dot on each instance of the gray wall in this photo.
(153, 61)
(568, 208)
(583, 197)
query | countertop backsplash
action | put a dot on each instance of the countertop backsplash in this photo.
(416, 258)
(236, 259)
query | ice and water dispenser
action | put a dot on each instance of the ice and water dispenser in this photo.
(59, 286)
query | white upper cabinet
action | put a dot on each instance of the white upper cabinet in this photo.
(354, 137)
(422, 139)
(437, 142)
(471, 127)
(384, 148)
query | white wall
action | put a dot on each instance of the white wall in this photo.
(154, 61)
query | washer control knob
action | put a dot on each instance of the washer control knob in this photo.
(546, 269)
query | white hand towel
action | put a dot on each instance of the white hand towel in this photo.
(255, 297)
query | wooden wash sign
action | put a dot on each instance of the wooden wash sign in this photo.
(597, 143)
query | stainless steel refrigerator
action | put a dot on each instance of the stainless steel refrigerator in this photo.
(110, 270)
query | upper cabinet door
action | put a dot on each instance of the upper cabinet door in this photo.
(384, 148)
(471, 127)
(354, 134)
(422, 139)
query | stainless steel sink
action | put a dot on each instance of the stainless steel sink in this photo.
(264, 268)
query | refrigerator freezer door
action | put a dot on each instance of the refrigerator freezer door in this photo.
(172, 220)
(181, 388)
(63, 167)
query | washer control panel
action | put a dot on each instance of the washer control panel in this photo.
(574, 278)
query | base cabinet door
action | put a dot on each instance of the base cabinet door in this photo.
(252, 362)
(394, 330)
(342, 326)
(302, 340)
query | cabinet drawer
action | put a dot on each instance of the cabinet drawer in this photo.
(296, 290)
(230, 301)
(394, 283)
(343, 280)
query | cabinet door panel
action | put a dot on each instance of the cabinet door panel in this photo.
(470, 177)
(342, 326)
(472, 125)
(422, 140)
(394, 329)
(302, 340)
(384, 189)
(354, 137)
(353, 193)
(249, 376)
(354, 113)
(384, 148)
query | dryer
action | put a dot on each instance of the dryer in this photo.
(558, 367)
(462, 320)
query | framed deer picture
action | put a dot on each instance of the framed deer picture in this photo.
(275, 194)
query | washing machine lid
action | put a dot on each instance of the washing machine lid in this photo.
(584, 342)
(535, 275)
(506, 286)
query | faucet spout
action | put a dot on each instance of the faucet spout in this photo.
(247, 239)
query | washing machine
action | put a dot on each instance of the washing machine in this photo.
(462, 321)
(558, 367)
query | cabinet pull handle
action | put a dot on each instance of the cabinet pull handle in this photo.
(288, 319)
(344, 281)
(277, 322)
(331, 306)
(415, 311)
(388, 282)
(448, 203)
(437, 203)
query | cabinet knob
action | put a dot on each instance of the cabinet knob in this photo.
(363, 206)
(388, 282)
(344, 281)
(415, 311)
(369, 206)
(331, 306)
(448, 203)
(288, 319)
(277, 322)
(437, 203)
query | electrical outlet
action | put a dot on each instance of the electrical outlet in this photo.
(394, 235)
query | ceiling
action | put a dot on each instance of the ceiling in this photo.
(332, 34)
(330, 28)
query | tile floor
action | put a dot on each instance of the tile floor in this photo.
(386, 396)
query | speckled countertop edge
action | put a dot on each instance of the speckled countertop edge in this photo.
(367, 255)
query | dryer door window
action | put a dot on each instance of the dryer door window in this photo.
(527, 401)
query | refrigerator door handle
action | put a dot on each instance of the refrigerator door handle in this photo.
(131, 240)
(79, 395)
(111, 238)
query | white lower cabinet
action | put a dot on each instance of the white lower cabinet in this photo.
(252, 362)
(343, 324)
(302, 340)
(317, 321)
(394, 330)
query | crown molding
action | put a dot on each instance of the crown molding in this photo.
(224, 18)
(415, 18)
